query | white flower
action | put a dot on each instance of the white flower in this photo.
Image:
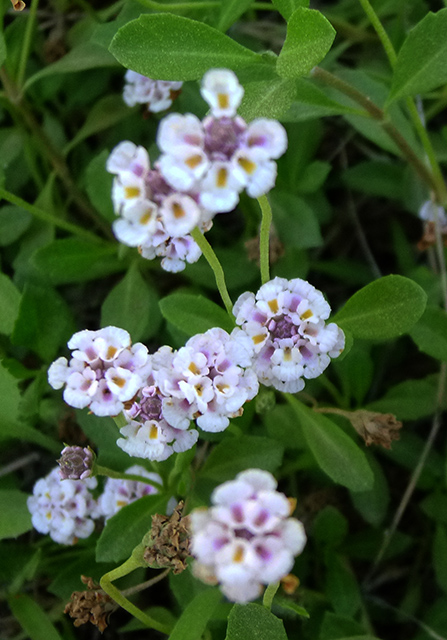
(221, 89)
(286, 324)
(157, 94)
(119, 493)
(126, 156)
(137, 223)
(180, 214)
(429, 212)
(246, 539)
(64, 509)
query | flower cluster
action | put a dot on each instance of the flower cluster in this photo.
(119, 493)
(208, 380)
(246, 539)
(156, 94)
(201, 171)
(105, 370)
(285, 321)
(65, 509)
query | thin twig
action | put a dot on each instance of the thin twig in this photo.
(19, 463)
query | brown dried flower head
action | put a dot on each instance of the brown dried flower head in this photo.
(92, 605)
(168, 541)
(376, 428)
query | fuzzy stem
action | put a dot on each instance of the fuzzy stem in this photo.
(106, 585)
(145, 585)
(269, 594)
(31, 19)
(264, 238)
(110, 473)
(215, 265)
(378, 26)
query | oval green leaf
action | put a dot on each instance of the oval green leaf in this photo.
(194, 314)
(414, 74)
(430, 333)
(335, 452)
(192, 623)
(33, 619)
(16, 519)
(254, 622)
(169, 47)
(309, 37)
(384, 309)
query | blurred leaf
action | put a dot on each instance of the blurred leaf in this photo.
(430, 333)
(72, 260)
(376, 178)
(414, 74)
(194, 314)
(14, 221)
(99, 185)
(287, 7)
(234, 455)
(313, 177)
(330, 527)
(126, 529)
(33, 620)
(192, 623)
(384, 309)
(44, 322)
(373, 504)
(341, 586)
(309, 38)
(239, 271)
(435, 506)
(132, 305)
(408, 400)
(169, 47)
(9, 394)
(355, 371)
(85, 56)
(185, 587)
(335, 452)
(9, 307)
(440, 557)
(254, 622)
(282, 426)
(107, 112)
(2, 49)
(334, 626)
(16, 519)
(267, 98)
(104, 433)
(230, 11)
(294, 220)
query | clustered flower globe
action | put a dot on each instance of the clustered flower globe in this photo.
(202, 169)
(246, 539)
(157, 95)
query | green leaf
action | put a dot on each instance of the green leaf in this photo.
(341, 586)
(254, 622)
(33, 620)
(192, 623)
(430, 333)
(72, 260)
(9, 307)
(99, 185)
(295, 222)
(335, 452)
(373, 504)
(3, 51)
(440, 557)
(9, 394)
(85, 56)
(312, 102)
(230, 11)
(384, 309)
(44, 322)
(16, 519)
(409, 400)
(127, 528)
(334, 626)
(267, 98)
(14, 221)
(169, 47)
(107, 112)
(287, 7)
(330, 527)
(132, 305)
(104, 433)
(422, 60)
(309, 37)
(377, 178)
(194, 314)
(234, 455)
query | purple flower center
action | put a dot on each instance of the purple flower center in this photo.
(222, 138)
(282, 327)
(151, 408)
(158, 188)
(245, 534)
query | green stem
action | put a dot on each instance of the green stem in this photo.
(30, 22)
(378, 114)
(120, 420)
(48, 217)
(215, 265)
(110, 473)
(269, 594)
(378, 26)
(106, 585)
(264, 238)
(188, 6)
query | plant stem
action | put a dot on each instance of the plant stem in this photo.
(188, 6)
(106, 585)
(269, 594)
(378, 26)
(30, 21)
(215, 265)
(378, 114)
(40, 214)
(145, 585)
(264, 238)
(110, 473)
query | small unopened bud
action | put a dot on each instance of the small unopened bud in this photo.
(376, 428)
(76, 463)
(290, 583)
(18, 5)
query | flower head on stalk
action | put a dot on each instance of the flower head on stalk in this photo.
(76, 463)
(246, 539)
(104, 372)
(156, 94)
(64, 509)
(220, 156)
(285, 321)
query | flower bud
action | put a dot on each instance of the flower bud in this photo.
(76, 463)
